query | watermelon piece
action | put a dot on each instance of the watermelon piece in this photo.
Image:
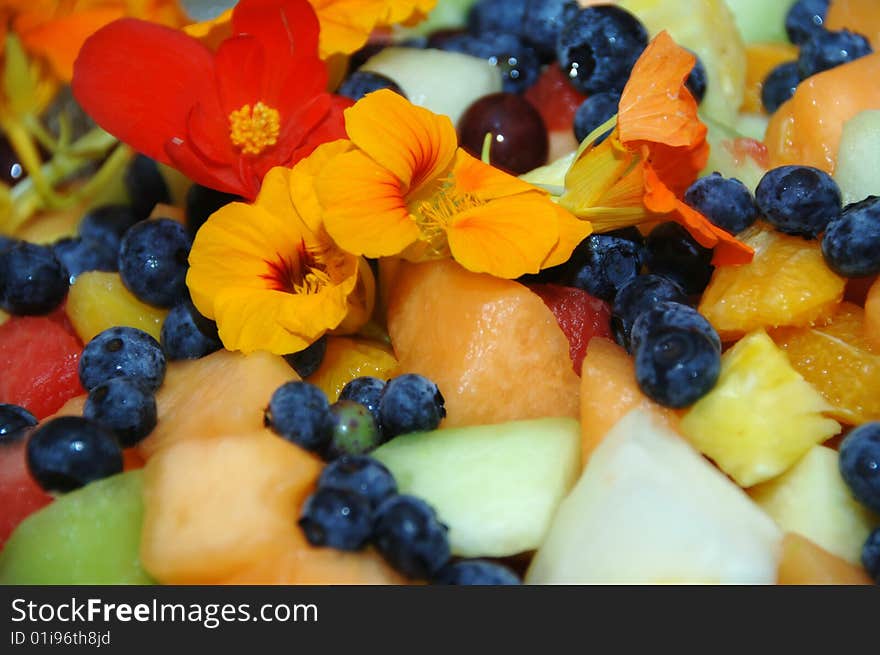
(39, 360)
(580, 315)
(555, 99)
(20, 495)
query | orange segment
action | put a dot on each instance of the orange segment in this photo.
(839, 362)
(805, 563)
(862, 16)
(806, 129)
(872, 315)
(761, 58)
(347, 359)
(786, 284)
(609, 391)
(491, 345)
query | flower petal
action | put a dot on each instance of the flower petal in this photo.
(595, 173)
(415, 144)
(507, 237)
(364, 209)
(656, 105)
(346, 25)
(171, 72)
(284, 27)
(571, 232)
(301, 183)
(484, 181)
(240, 72)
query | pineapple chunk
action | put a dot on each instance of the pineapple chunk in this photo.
(761, 417)
(812, 500)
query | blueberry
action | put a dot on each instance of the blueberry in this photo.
(497, 16)
(360, 474)
(860, 464)
(675, 254)
(542, 21)
(14, 423)
(360, 83)
(410, 403)
(593, 112)
(126, 406)
(798, 200)
(410, 537)
(153, 261)
(677, 354)
(68, 452)
(697, 80)
(122, 352)
(476, 572)
(354, 430)
(871, 555)
(79, 255)
(598, 46)
(518, 63)
(604, 263)
(637, 296)
(300, 413)
(182, 338)
(851, 243)
(307, 361)
(32, 280)
(780, 85)
(201, 202)
(336, 518)
(827, 50)
(726, 202)
(145, 186)
(367, 391)
(630, 233)
(107, 224)
(804, 19)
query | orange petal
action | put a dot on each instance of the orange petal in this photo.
(415, 144)
(364, 209)
(677, 167)
(571, 232)
(346, 24)
(301, 182)
(485, 181)
(507, 237)
(656, 105)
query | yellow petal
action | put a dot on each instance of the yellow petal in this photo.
(507, 237)
(302, 181)
(364, 209)
(361, 301)
(415, 144)
(571, 232)
(594, 174)
(346, 24)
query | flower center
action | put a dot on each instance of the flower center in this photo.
(253, 129)
(300, 274)
(434, 214)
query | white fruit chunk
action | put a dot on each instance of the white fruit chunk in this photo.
(858, 158)
(761, 20)
(444, 82)
(495, 486)
(813, 500)
(649, 509)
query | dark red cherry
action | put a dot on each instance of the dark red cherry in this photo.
(519, 137)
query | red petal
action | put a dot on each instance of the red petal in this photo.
(240, 69)
(223, 177)
(284, 27)
(331, 128)
(139, 81)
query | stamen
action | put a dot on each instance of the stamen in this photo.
(253, 129)
(300, 274)
(434, 214)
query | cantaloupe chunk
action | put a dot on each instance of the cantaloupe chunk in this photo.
(806, 130)
(872, 315)
(805, 563)
(492, 346)
(222, 393)
(862, 16)
(609, 391)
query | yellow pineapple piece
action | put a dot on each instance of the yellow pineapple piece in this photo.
(98, 300)
(761, 417)
(786, 284)
(348, 358)
(812, 500)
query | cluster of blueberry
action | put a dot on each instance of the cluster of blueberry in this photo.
(820, 50)
(860, 468)
(356, 500)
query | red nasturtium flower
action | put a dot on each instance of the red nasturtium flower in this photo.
(222, 118)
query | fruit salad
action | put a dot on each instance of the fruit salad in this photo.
(461, 292)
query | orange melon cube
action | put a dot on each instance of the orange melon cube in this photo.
(805, 563)
(872, 315)
(862, 16)
(609, 391)
(806, 130)
(491, 345)
(761, 58)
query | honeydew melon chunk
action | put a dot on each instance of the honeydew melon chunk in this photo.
(761, 21)
(88, 536)
(858, 158)
(722, 160)
(444, 82)
(649, 509)
(812, 500)
(446, 15)
(495, 486)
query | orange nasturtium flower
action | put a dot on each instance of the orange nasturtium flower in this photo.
(268, 273)
(345, 24)
(406, 188)
(656, 150)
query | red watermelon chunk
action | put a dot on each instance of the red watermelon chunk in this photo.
(20, 495)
